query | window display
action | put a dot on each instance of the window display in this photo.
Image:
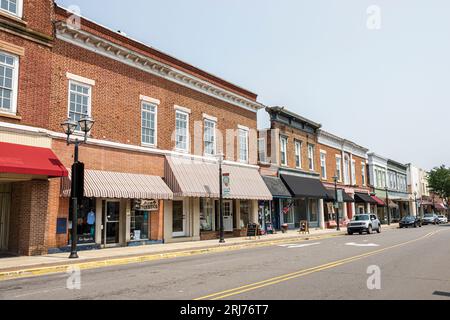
(245, 213)
(86, 221)
(206, 214)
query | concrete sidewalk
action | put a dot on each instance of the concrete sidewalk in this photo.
(28, 266)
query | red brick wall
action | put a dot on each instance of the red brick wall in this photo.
(116, 100)
(29, 218)
(297, 135)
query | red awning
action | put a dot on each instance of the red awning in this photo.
(20, 159)
(379, 201)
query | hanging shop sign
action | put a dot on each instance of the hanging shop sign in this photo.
(146, 205)
(226, 184)
(340, 196)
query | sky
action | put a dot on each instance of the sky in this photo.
(374, 72)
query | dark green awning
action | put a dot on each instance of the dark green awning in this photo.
(277, 187)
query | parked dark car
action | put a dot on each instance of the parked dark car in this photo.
(410, 221)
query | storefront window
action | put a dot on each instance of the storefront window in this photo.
(206, 214)
(86, 221)
(245, 213)
(288, 212)
(139, 225)
(313, 211)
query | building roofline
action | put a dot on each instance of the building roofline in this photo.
(162, 55)
(283, 110)
(343, 140)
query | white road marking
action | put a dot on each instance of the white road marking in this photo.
(362, 244)
(294, 246)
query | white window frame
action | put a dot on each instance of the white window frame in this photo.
(79, 83)
(19, 13)
(188, 139)
(363, 174)
(15, 83)
(246, 131)
(298, 154)
(340, 168)
(283, 146)
(144, 101)
(311, 159)
(323, 164)
(262, 155)
(214, 133)
(353, 172)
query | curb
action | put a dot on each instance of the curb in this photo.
(108, 262)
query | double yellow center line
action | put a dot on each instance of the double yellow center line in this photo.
(302, 273)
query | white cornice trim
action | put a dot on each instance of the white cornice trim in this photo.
(124, 55)
(149, 99)
(22, 129)
(182, 109)
(81, 79)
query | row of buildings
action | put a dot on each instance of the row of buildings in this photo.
(151, 168)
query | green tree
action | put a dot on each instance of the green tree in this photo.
(439, 182)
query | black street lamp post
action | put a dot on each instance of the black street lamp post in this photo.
(416, 204)
(222, 235)
(336, 204)
(85, 126)
(387, 206)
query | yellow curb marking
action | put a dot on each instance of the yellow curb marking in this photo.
(302, 273)
(33, 272)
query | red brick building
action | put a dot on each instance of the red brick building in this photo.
(154, 114)
(348, 162)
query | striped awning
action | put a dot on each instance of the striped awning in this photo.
(117, 185)
(200, 179)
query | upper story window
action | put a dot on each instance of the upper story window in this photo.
(12, 7)
(210, 137)
(9, 65)
(182, 131)
(262, 150)
(283, 151)
(243, 145)
(149, 123)
(79, 101)
(346, 169)
(339, 168)
(353, 172)
(298, 154)
(323, 164)
(311, 156)
(363, 173)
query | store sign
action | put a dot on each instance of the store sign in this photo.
(226, 184)
(146, 205)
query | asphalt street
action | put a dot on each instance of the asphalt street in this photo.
(399, 264)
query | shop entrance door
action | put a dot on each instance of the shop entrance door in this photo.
(179, 220)
(5, 204)
(111, 222)
(228, 216)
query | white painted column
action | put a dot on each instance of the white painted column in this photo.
(168, 220)
(98, 220)
(345, 214)
(127, 221)
(195, 214)
(368, 208)
(254, 211)
(321, 215)
(354, 208)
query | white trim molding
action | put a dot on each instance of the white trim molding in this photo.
(182, 109)
(142, 62)
(243, 127)
(80, 79)
(208, 117)
(149, 99)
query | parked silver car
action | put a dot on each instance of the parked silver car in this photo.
(430, 218)
(443, 219)
(364, 223)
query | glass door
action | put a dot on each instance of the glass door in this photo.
(111, 222)
(228, 216)
(179, 220)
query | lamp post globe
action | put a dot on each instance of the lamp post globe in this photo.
(69, 127)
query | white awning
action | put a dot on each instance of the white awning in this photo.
(117, 185)
(200, 179)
